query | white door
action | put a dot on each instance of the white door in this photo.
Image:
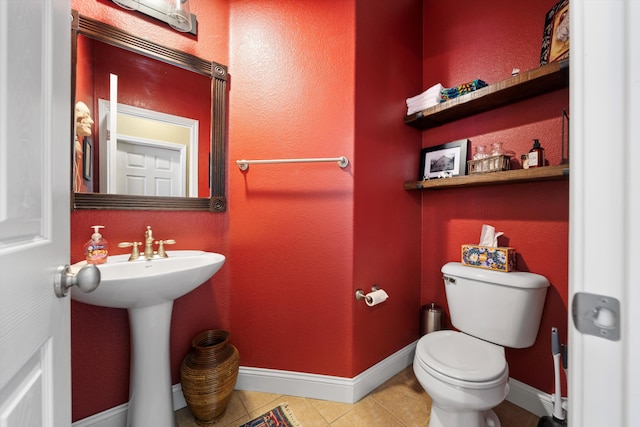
(150, 168)
(35, 123)
(604, 374)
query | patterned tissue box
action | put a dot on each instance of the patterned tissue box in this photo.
(498, 259)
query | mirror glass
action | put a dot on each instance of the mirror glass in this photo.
(163, 133)
(167, 151)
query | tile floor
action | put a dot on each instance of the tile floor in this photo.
(399, 402)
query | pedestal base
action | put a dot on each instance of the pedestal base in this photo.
(150, 395)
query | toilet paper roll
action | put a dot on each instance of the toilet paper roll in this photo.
(376, 297)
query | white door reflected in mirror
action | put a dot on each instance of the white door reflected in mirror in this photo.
(150, 168)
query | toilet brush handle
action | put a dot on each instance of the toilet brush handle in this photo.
(555, 341)
(565, 362)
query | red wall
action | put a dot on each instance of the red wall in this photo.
(305, 237)
(386, 218)
(100, 336)
(488, 44)
(325, 79)
(291, 225)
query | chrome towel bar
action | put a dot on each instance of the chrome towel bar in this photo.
(244, 164)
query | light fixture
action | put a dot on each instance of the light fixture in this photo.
(176, 13)
(179, 15)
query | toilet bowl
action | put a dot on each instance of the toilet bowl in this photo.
(465, 371)
(464, 376)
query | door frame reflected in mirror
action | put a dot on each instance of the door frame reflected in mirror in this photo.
(148, 131)
(217, 72)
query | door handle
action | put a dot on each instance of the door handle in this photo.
(87, 279)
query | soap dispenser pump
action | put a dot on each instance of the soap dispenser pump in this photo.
(96, 250)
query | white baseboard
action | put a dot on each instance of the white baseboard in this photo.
(117, 416)
(529, 398)
(113, 417)
(326, 387)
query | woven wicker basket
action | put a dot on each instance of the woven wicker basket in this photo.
(208, 375)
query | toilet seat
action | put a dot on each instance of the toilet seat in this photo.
(461, 359)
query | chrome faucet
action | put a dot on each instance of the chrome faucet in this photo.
(148, 253)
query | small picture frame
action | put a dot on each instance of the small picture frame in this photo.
(443, 161)
(87, 158)
(555, 39)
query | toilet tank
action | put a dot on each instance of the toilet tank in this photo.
(502, 308)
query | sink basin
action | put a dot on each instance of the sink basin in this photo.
(147, 289)
(142, 283)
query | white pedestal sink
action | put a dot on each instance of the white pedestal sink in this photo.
(147, 289)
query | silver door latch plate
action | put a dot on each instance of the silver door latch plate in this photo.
(597, 315)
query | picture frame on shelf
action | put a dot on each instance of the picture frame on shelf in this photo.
(555, 39)
(443, 161)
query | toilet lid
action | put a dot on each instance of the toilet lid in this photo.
(461, 356)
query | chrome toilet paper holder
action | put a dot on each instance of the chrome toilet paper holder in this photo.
(361, 295)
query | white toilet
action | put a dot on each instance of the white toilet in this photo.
(465, 373)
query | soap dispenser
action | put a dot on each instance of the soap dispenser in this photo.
(536, 155)
(97, 249)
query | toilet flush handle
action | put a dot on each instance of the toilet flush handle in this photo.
(449, 280)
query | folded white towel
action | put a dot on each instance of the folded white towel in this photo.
(423, 105)
(429, 93)
(423, 99)
(426, 99)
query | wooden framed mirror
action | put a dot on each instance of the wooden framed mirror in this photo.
(211, 160)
